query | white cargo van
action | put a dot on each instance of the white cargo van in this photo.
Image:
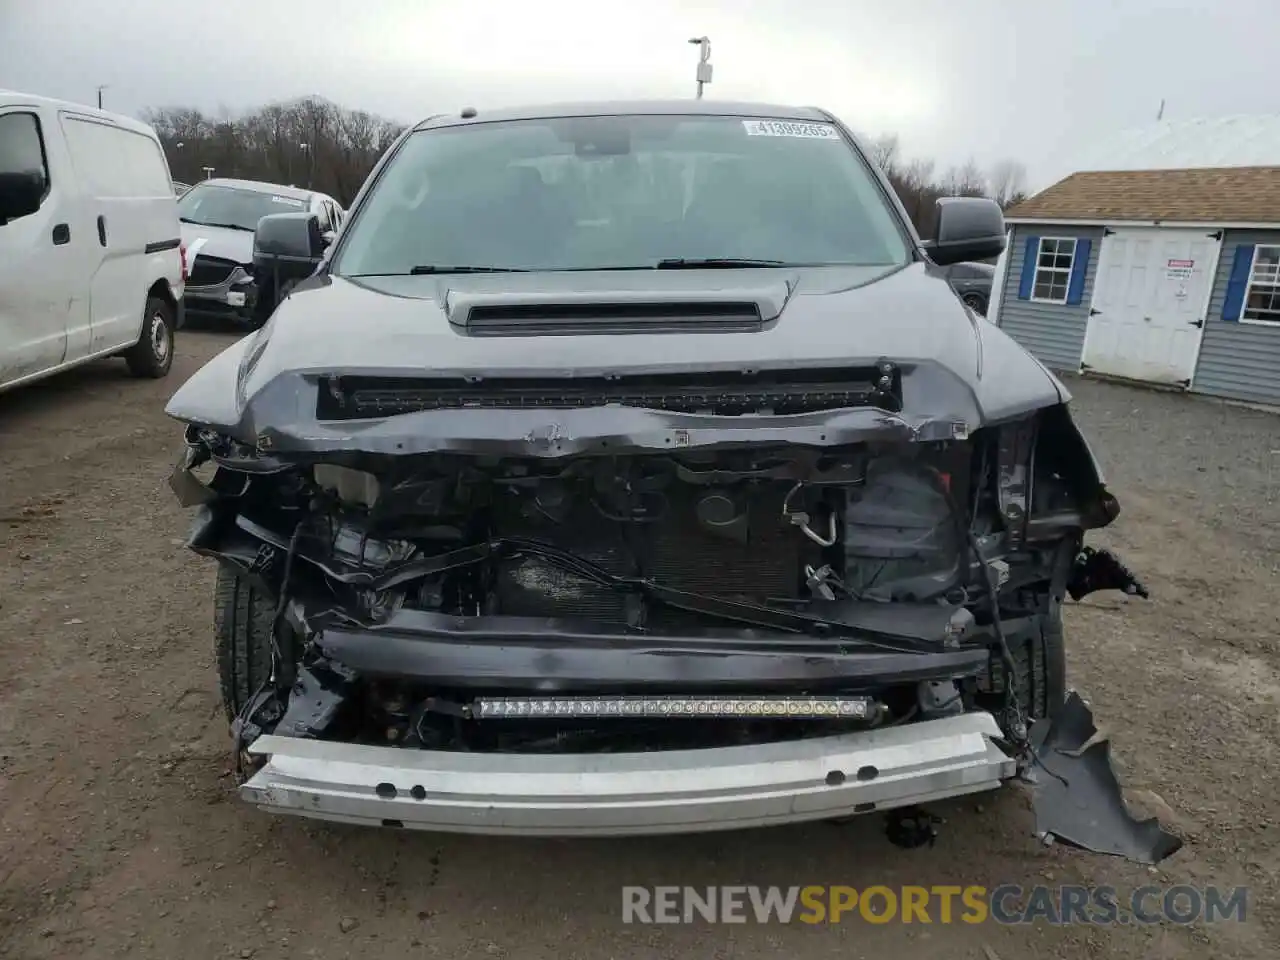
(91, 258)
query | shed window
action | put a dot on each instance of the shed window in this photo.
(1054, 260)
(1262, 296)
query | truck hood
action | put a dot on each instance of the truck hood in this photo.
(958, 372)
(219, 242)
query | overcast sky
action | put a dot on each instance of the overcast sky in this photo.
(988, 79)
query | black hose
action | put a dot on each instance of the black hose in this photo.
(1006, 655)
(970, 539)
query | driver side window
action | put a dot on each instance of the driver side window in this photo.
(22, 156)
(326, 220)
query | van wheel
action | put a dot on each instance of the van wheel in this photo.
(152, 355)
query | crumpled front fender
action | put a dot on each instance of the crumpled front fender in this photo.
(211, 396)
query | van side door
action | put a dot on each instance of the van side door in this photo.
(118, 226)
(161, 233)
(43, 278)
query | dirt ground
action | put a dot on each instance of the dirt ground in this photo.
(122, 835)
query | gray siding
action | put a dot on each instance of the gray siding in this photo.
(1238, 361)
(1054, 333)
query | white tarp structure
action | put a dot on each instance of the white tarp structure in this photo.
(1234, 141)
(1242, 140)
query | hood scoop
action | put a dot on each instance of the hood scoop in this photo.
(599, 312)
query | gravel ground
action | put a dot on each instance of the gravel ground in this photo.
(121, 835)
(1220, 462)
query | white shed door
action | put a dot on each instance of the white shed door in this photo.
(1149, 302)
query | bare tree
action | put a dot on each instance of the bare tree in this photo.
(973, 183)
(913, 182)
(964, 181)
(301, 141)
(884, 152)
(919, 188)
(1007, 182)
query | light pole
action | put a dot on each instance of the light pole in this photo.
(101, 87)
(704, 61)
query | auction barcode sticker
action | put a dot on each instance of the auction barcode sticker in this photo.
(790, 128)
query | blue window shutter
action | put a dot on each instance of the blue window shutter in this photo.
(1233, 302)
(1079, 267)
(1028, 278)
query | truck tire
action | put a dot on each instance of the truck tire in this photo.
(152, 355)
(1040, 665)
(242, 619)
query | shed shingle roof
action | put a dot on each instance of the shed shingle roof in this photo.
(1209, 195)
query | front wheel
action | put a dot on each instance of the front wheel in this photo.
(1041, 663)
(1040, 670)
(243, 616)
(152, 355)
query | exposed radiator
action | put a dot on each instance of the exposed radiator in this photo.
(674, 551)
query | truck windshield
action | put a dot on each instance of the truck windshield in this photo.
(233, 207)
(622, 192)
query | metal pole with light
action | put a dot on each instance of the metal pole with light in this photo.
(101, 87)
(704, 61)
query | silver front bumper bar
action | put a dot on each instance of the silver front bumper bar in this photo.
(685, 791)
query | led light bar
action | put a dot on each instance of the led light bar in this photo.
(774, 708)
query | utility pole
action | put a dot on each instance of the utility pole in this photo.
(101, 87)
(1160, 113)
(704, 61)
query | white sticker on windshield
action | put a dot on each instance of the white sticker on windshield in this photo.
(289, 200)
(790, 128)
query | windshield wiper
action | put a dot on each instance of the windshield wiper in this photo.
(715, 263)
(437, 268)
(224, 226)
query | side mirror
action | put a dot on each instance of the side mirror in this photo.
(21, 194)
(969, 228)
(287, 246)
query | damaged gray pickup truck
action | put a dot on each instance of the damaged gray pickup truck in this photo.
(632, 468)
